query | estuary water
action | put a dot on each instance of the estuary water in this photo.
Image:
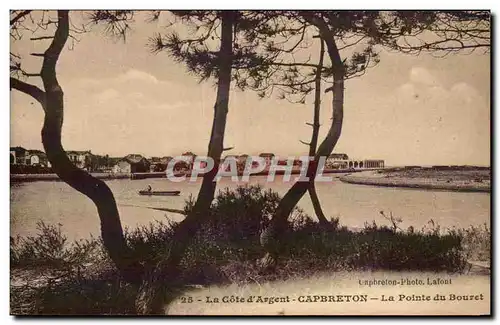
(57, 203)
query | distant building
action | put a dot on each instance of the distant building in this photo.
(337, 164)
(185, 161)
(268, 157)
(159, 164)
(339, 156)
(165, 160)
(18, 156)
(230, 157)
(154, 164)
(81, 159)
(242, 161)
(34, 159)
(122, 167)
(337, 161)
(133, 163)
(283, 162)
(106, 164)
(366, 163)
(242, 158)
(374, 163)
(113, 160)
(342, 161)
(24, 157)
(37, 158)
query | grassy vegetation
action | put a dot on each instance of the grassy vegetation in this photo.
(52, 276)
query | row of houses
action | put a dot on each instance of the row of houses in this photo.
(25, 157)
(37, 158)
(136, 163)
(132, 163)
(334, 161)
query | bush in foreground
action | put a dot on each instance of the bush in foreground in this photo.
(78, 278)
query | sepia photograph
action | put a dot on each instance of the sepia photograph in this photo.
(250, 162)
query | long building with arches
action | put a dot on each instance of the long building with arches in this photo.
(342, 161)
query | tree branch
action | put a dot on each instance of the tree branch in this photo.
(29, 89)
(19, 16)
(41, 38)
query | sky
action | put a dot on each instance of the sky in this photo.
(121, 99)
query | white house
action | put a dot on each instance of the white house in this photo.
(133, 163)
(80, 158)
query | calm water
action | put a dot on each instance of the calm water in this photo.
(56, 202)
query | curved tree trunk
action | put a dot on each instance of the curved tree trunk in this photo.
(317, 101)
(323, 221)
(52, 101)
(314, 138)
(293, 196)
(153, 293)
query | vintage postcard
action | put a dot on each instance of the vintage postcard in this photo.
(250, 162)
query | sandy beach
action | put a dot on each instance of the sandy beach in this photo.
(464, 180)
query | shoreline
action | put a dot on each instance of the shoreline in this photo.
(430, 183)
(431, 180)
(16, 178)
(137, 176)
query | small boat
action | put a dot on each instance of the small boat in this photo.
(160, 193)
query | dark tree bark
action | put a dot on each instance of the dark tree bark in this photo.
(314, 139)
(292, 197)
(52, 102)
(153, 293)
(317, 102)
(323, 221)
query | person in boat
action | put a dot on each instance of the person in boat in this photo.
(148, 189)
